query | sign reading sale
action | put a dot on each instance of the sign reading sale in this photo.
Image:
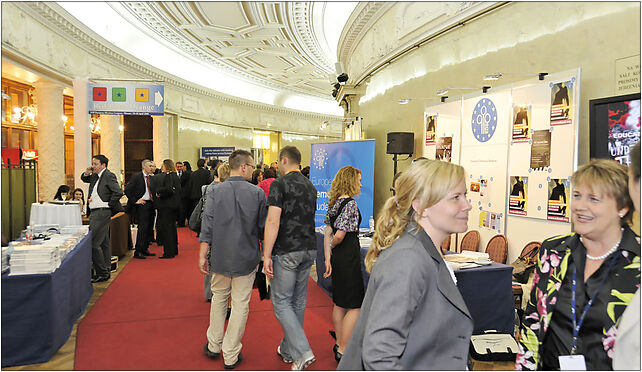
(116, 98)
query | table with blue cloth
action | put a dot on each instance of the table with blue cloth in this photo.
(487, 291)
(39, 310)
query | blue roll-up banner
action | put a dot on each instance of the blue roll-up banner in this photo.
(328, 158)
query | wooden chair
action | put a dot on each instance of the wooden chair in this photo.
(470, 241)
(445, 245)
(497, 249)
(518, 291)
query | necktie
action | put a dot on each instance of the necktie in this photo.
(149, 190)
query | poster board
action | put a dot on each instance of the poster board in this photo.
(327, 159)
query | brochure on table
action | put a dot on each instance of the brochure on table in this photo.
(518, 146)
(327, 159)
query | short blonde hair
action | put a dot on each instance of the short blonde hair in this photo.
(608, 177)
(425, 181)
(345, 182)
(224, 172)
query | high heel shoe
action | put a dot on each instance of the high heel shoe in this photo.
(337, 356)
(335, 348)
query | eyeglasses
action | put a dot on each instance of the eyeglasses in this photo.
(251, 165)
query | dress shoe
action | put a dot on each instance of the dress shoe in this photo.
(148, 253)
(210, 354)
(333, 334)
(139, 255)
(337, 356)
(101, 278)
(335, 348)
(232, 366)
(165, 256)
(229, 312)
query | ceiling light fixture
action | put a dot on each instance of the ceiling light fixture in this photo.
(494, 76)
(498, 75)
(442, 92)
(404, 101)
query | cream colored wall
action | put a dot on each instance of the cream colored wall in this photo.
(304, 144)
(518, 37)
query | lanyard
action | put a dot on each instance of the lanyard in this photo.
(576, 324)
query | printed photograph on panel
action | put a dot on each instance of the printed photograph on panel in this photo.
(558, 200)
(624, 129)
(431, 124)
(518, 195)
(444, 148)
(562, 103)
(521, 123)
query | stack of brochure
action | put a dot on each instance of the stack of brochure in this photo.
(467, 260)
(34, 259)
(5, 259)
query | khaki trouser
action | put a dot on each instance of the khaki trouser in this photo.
(229, 342)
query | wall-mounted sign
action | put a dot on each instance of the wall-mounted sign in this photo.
(627, 75)
(29, 154)
(216, 152)
(126, 98)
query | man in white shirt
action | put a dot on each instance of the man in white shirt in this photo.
(140, 205)
(103, 201)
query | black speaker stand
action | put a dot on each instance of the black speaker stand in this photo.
(394, 159)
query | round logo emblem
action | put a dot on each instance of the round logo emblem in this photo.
(320, 159)
(484, 120)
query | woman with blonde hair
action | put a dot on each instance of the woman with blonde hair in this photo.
(343, 254)
(166, 187)
(413, 316)
(585, 280)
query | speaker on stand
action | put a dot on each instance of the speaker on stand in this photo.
(400, 143)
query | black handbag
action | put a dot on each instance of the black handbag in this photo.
(260, 282)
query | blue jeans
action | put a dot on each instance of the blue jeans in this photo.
(289, 293)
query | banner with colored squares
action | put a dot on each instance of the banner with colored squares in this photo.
(126, 98)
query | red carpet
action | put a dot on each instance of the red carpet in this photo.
(153, 316)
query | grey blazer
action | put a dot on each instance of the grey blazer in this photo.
(413, 316)
(108, 189)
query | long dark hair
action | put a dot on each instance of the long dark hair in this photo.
(61, 189)
(73, 195)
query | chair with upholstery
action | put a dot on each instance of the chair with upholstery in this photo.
(445, 245)
(497, 249)
(518, 289)
(119, 234)
(470, 241)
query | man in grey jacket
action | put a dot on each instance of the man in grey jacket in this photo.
(232, 226)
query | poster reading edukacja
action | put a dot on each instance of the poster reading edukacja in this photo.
(558, 200)
(562, 103)
(518, 195)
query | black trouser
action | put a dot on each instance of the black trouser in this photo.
(166, 227)
(99, 220)
(145, 213)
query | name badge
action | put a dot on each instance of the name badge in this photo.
(572, 363)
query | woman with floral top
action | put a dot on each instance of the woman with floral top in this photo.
(343, 254)
(585, 280)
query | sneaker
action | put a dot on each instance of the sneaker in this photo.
(285, 359)
(296, 366)
(210, 354)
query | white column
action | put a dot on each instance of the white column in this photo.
(51, 139)
(82, 133)
(161, 139)
(110, 142)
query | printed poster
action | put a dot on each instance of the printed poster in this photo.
(541, 149)
(518, 195)
(561, 103)
(521, 123)
(431, 124)
(489, 220)
(624, 129)
(444, 148)
(558, 200)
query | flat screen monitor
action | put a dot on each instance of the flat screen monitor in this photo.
(614, 127)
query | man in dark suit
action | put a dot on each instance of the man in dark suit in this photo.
(183, 176)
(140, 204)
(200, 177)
(103, 202)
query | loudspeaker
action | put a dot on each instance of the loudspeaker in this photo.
(400, 143)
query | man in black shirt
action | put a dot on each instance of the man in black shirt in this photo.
(288, 253)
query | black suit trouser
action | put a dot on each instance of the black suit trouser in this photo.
(145, 213)
(99, 220)
(166, 227)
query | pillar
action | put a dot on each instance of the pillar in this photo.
(82, 132)
(161, 139)
(51, 139)
(110, 143)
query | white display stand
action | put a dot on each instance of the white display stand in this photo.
(481, 127)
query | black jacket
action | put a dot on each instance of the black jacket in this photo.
(135, 189)
(199, 178)
(108, 189)
(166, 188)
(185, 179)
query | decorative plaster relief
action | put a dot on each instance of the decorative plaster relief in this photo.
(190, 104)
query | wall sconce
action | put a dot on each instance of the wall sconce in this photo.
(324, 125)
(498, 75)
(25, 115)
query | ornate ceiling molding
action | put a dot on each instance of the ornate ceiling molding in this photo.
(300, 15)
(360, 21)
(53, 16)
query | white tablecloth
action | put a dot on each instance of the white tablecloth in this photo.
(47, 213)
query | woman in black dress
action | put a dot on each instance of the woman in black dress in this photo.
(166, 188)
(343, 254)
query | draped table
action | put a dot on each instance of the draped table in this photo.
(486, 290)
(49, 213)
(39, 310)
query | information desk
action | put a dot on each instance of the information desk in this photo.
(39, 311)
(486, 290)
(49, 213)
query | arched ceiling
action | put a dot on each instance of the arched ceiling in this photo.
(274, 52)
